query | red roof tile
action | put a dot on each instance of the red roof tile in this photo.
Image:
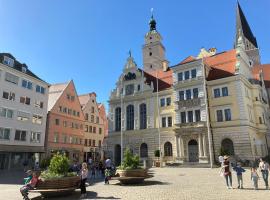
(222, 65)
(266, 73)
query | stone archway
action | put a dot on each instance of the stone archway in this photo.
(193, 151)
(117, 155)
(227, 146)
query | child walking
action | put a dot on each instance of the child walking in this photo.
(254, 177)
(239, 170)
(107, 175)
(84, 174)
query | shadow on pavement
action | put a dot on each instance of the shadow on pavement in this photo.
(76, 196)
(12, 177)
(145, 183)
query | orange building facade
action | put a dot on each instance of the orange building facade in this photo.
(65, 122)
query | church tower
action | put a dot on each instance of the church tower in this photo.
(249, 40)
(153, 50)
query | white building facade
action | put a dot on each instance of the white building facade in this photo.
(23, 113)
(191, 127)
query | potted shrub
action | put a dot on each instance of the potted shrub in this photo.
(129, 170)
(57, 175)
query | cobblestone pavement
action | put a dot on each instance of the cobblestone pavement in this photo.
(167, 183)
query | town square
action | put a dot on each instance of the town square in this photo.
(134, 100)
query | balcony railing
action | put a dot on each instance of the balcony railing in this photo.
(191, 124)
(189, 103)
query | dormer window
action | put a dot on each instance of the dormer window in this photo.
(8, 61)
(24, 69)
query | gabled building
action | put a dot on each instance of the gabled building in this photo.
(206, 105)
(23, 110)
(94, 126)
(65, 122)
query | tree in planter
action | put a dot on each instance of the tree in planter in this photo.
(59, 166)
(130, 161)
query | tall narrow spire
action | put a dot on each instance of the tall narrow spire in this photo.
(242, 24)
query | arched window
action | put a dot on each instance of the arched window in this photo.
(143, 150)
(227, 145)
(143, 116)
(118, 119)
(130, 117)
(168, 149)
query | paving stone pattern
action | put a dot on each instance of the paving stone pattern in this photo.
(167, 183)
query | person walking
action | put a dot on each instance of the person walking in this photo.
(227, 172)
(264, 167)
(239, 170)
(83, 174)
(254, 177)
(108, 163)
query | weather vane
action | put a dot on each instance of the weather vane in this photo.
(152, 10)
(129, 52)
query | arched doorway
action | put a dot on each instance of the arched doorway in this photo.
(143, 150)
(168, 149)
(193, 151)
(117, 155)
(227, 146)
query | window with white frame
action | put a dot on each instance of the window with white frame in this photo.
(180, 76)
(37, 119)
(12, 78)
(25, 100)
(27, 84)
(40, 89)
(8, 61)
(193, 73)
(23, 116)
(188, 94)
(4, 133)
(186, 75)
(183, 117)
(39, 104)
(65, 138)
(165, 101)
(223, 115)
(190, 116)
(166, 121)
(5, 112)
(197, 115)
(9, 95)
(220, 92)
(162, 102)
(20, 135)
(35, 137)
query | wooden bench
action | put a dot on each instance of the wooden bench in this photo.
(54, 192)
(129, 180)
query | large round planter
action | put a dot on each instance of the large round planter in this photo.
(58, 187)
(131, 176)
(59, 183)
(132, 173)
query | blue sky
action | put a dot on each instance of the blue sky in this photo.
(88, 40)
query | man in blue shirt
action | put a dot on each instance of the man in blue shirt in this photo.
(239, 170)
